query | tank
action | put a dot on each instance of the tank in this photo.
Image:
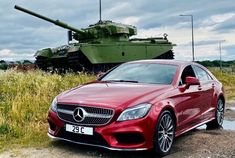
(100, 46)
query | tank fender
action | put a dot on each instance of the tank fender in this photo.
(74, 49)
(44, 53)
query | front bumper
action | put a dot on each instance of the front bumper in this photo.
(95, 145)
(134, 135)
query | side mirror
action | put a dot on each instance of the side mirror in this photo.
(188, 82)
(191, 81)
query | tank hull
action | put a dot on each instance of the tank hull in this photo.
(101, 57)
(119, 53)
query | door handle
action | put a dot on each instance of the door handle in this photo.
(213, 85)
(199, 87)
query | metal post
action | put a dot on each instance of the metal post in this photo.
(193, 57)
(100, 10)
(192, 38)
(220, 54)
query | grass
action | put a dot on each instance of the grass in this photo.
(26, 97)
(24, 101)
(228, 80)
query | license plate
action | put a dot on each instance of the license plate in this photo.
(79, 129)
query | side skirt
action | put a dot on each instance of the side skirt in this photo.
(178, 133)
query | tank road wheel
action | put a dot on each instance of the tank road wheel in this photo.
(219, 116)
(74, 62)
(78, 62)
(165, 133)
(59, 65)
(41, 63)
(167, 55)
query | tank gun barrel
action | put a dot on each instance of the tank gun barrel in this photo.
(56, 22)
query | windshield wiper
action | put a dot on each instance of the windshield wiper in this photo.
(132, 81)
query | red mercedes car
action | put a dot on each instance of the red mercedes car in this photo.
(139, 105)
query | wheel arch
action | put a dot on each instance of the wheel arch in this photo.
(166, 105)
(172, 111)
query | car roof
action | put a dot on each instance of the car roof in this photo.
(164, 61)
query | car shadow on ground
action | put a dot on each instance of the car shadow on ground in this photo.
(89, 151)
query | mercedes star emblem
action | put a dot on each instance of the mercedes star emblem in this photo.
(79, 114)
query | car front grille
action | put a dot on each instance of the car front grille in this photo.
(92, 116)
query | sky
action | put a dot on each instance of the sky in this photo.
(21, 35)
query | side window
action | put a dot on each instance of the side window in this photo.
(202, 75)
(188, 71)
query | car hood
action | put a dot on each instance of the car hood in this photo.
(112, 95)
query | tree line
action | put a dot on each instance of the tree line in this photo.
(216, 63)
(207, 63)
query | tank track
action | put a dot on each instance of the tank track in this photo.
(59, 65)
(41, 63)
(77, 62)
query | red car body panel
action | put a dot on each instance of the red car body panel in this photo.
(110, 95)
(191, 107)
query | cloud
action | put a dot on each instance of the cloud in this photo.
(132, 20)
(9, 55)
(204, 42)
(213, 21)
(227, 26)
(6, 53)
(222, 17)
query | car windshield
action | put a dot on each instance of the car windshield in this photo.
(151, 73)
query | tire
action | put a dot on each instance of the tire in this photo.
(219, 116)
(164, 133)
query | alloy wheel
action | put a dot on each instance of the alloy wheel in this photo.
(165, 132)
(220, 112)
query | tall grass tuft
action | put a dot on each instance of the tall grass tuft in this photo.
(24, 101)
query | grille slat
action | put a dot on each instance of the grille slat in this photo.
(94, 116)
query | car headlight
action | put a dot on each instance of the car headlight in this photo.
(54, 105)
(136, 112)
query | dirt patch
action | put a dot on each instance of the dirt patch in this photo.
(230, 110)
(230, 114)
(230, 103)
(205, 143)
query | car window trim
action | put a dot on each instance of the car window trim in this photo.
(208, 75)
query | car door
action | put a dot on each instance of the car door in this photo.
(207, 90)
(188, 101)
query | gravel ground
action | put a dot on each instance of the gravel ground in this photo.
(197, 143)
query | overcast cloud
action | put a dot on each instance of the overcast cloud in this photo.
(214, 20)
